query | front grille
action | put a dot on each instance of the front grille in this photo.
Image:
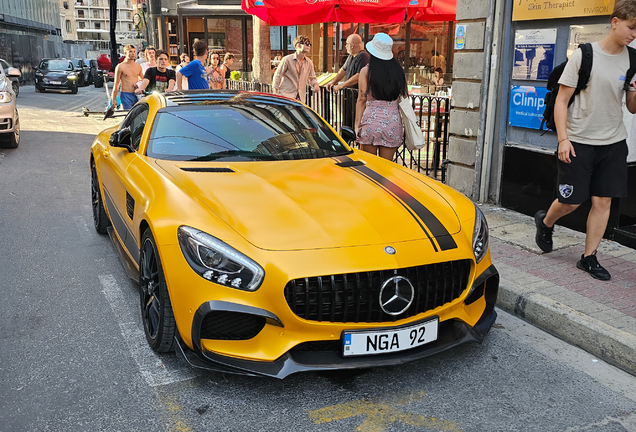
(224, 325)
(354, 297)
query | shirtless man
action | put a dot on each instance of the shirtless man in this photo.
(127, 73)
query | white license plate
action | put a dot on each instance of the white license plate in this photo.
(56, 82)
(387, 341)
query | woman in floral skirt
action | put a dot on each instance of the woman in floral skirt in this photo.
(378, 122)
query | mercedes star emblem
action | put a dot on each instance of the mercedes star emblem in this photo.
(396, 295)
(390, 250)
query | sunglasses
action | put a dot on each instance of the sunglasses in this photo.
(305, 43)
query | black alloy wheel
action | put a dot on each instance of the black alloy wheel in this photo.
(156, 309)
(100, 219)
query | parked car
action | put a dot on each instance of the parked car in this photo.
(14, 75)
(56, 74)
(9, 119)
(83, 72)
(264, 245)
(92, 67)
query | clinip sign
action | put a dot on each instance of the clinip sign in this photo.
(526, 106)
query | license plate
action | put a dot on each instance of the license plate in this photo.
(56, 82)
(386, 341)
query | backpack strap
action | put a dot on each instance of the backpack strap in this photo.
(586, 67)
(632, 68)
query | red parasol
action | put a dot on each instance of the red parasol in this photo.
(435, 10)
(299, 12)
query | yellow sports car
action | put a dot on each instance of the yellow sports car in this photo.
(264, 245)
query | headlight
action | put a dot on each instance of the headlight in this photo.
(480, 235)
(218, 262)
(5, 97)
(71, 76)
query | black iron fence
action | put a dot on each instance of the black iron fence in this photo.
(338, 109)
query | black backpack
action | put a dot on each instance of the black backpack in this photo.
(584, 77)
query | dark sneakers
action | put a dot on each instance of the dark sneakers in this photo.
(544, 233)
(590, 264)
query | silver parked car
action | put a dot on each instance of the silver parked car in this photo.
(14, 75)
(9, 120)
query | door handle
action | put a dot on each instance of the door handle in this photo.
(106, 153)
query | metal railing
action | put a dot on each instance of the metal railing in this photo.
(338, 109)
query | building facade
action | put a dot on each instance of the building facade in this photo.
(497, 152)
(88, 21)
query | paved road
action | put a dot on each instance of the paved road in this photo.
(89, 97)
(73, 356)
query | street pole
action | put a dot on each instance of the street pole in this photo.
(114, 56)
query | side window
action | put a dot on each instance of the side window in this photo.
(136, 120)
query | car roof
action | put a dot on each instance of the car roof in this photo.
(191, 97)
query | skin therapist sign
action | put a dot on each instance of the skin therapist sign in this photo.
(524, 10)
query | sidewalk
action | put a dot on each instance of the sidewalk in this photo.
(548, 290)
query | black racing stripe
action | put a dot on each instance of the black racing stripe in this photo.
(441, 234)
(408, 209)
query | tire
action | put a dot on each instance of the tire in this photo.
(39, 90)
(156, 308)
(100, 219)
(98, 80)
(11, 140)
(16, 87)
(74, 89)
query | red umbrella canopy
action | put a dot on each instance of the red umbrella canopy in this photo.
(434, 10)
(299, 12)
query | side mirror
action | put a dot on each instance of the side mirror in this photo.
(348, 134)
(122, 139)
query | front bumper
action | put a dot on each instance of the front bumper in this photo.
(327, 355)
(7, 117)
(46, 84)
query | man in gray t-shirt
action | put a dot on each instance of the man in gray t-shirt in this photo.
(358, 58)
(592, 150)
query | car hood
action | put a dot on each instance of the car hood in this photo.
(56, 74)
(320, 203)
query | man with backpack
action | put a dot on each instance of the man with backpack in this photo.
(592, 148)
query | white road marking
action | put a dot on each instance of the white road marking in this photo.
(156, 369)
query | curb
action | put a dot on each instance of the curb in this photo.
(604, 341)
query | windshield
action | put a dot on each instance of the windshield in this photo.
(241, 132)
(56, 65)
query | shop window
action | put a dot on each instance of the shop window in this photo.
(225, 35)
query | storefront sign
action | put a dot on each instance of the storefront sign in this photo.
(460, 37)
(526, 106)
(524, 10)
(534, 54)
(580, 34)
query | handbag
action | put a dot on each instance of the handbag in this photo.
(413, 136)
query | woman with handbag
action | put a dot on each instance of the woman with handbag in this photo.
(378, 122)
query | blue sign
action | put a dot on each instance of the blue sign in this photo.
(526, 106)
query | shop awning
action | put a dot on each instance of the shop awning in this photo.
(437, 10)
(299, 12)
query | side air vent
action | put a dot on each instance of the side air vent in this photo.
(208, 169)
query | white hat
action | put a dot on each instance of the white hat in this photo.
(380, 46)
